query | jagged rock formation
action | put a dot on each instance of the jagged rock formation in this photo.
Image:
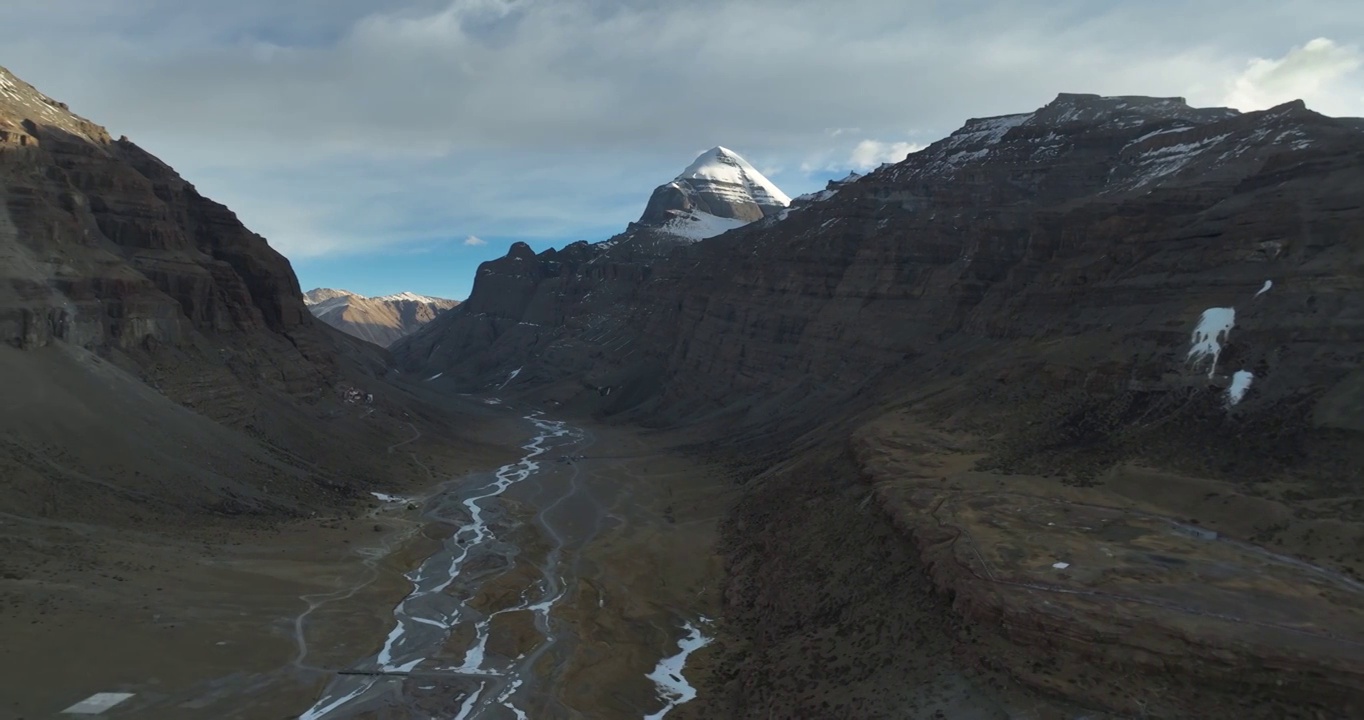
(1123, 311)
(380, 320)
(829, 190)
(162, 356)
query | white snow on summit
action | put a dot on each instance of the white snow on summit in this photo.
(722, 165)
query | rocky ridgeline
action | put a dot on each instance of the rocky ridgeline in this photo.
(1103, 281)
(524, 303)
(380, 320)
(1119, 220)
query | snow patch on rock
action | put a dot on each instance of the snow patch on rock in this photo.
(1240, 383)
(697, 225)
(673, 688)
(1214, 327)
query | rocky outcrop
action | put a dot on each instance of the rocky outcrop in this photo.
(1103, 283)
(380, 320)
(109, 249)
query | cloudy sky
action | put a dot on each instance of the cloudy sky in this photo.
(388, 145)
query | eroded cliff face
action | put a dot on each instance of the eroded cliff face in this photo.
(160, 354)
(109, 249)
(1158, 302)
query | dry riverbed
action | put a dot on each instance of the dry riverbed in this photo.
(254, 622)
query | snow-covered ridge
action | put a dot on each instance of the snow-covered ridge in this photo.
(1157, 142)
(722, 165)
(411, 297)
(830, 190)
(321, 297)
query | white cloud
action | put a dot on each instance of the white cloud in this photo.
(1325, 75)
(474, 241)
(871, 153)
(337, 126)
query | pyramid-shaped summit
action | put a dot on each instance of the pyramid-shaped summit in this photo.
(719, 191)
(726, 169)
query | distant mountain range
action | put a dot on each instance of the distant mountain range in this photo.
(380, 320)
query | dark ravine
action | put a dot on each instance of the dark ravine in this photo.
(1009, 316)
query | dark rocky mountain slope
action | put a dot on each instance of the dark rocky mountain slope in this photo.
(157, 355)
(1097, 367)
(518, 301)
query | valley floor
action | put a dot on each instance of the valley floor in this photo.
(197, 618)
(556, 568)
(253, 620)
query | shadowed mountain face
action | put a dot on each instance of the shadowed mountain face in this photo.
(1125, 304)
(718, 192)
(380, 320)
(163, 355)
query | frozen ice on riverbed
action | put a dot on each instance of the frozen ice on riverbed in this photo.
(469, 702)
(385, 657)
(412, 640)
(473, 657)
(505, 699)
(96, 704)
(1265, 288)
(322, 708)
(1060, 565)
(1240, 383)
(1213, 329)
(673, 688)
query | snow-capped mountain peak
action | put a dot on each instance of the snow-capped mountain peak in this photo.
(722, 165)
(717, 192)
